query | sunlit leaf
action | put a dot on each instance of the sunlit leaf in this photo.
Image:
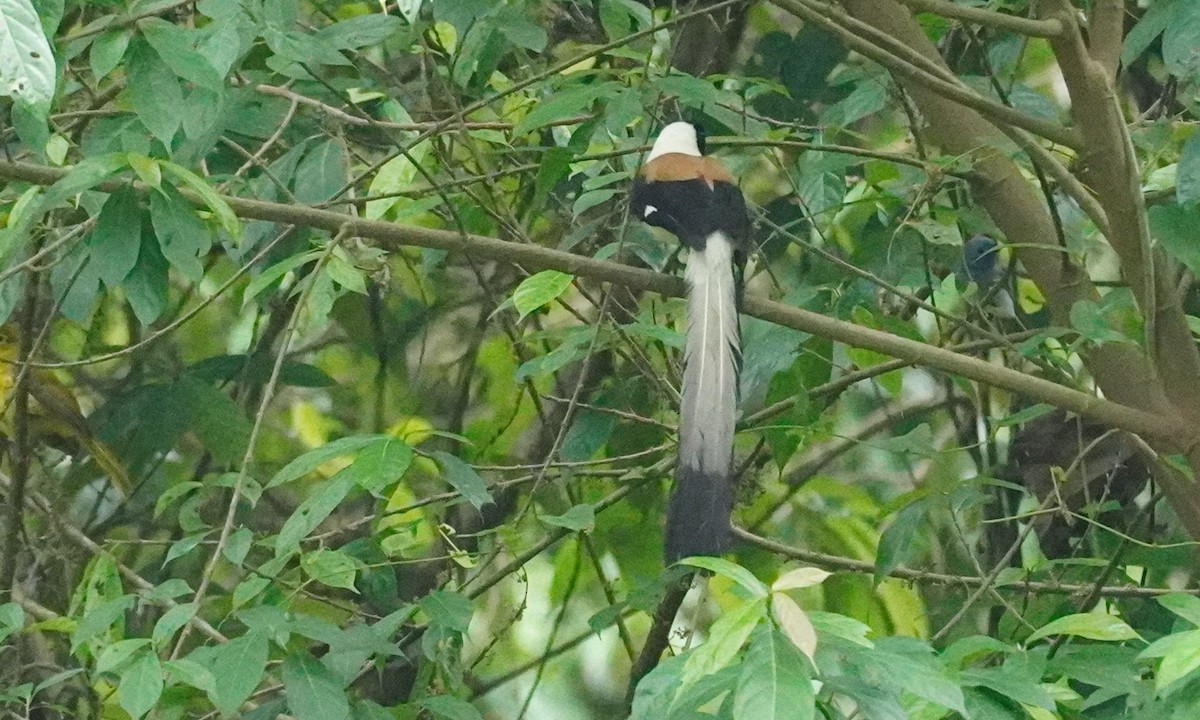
(1092, 625)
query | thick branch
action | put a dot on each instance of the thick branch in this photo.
(1110, 168)
(1161, 426)
(1122, 372)
(1106, 30)
(901, 59)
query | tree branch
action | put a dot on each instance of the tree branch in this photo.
(392, 236)
(989, 18)
(836, 562)
(1106, 30)
(897, 57)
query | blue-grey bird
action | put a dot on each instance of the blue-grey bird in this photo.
(980, 264)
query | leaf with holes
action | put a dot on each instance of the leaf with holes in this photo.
(27, 68)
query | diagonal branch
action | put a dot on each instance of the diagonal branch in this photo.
(1162, 426)
(904, 60)
(989, 18)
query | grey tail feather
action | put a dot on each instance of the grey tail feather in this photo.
(698, 516)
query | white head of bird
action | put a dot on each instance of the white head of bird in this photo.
(678, 137)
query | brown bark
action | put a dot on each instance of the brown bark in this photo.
(1122, 372)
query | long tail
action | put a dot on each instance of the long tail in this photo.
(700, 508)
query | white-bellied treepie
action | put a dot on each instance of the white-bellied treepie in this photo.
(693, 197)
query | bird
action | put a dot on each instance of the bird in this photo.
(693, 196)
(980, 264)
(54, 415)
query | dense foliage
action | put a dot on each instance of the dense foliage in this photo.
(338, 382)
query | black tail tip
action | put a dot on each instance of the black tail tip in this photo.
(698, 516)
(682, 543)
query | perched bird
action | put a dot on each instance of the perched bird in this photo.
(694, 198)
(54, 415)
(980, 264)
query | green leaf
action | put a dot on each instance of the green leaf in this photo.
(917, 442)
(183, 546)
(448, 609)
(841, 627)
(652, 699)
(173, 493)
(1180, 662)
(313, 693)
(343, 272)
(1095, 323)
(555, 166)
(117, 237)
(238, 667)
(1018, 685)
(1174, 227)
(182, 237)
(589, 432)
(1180, 39)
(540, 289)
(1187, 179)
(312, 512)
(896, 541)
(99, 619)
(274, 273)
(141, 685)
(238, 545)
(27, 68)
(220, 209)
(616, 17)
(330, 567)
(146, 285)
(396, 176)
(578, 518)
(107, 50)
(463, 478)
(464, 13)
(297, 47)
(147, 169)
(12, 619)
(313, 459)
(154, 92)
(1025, 415)
(171, 621)
(111, 657)
(774, 683)
(359, 32)
(1160, 14)
(588, 200)
(564, 104)
(216, 419)
(1092, 625)
(322, 172)
(174, 48)
(167, 590)
(190, 672)
(381, 464)
(725, 640)
(249, 589)
(1184, 605)
(30, 209)
(450, 707)
(736, 573)
(567, 352)
(520, 28)
(918, 674)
